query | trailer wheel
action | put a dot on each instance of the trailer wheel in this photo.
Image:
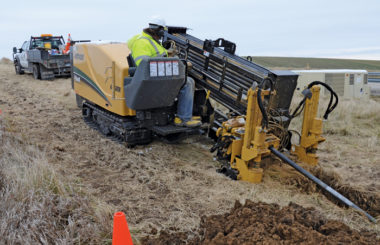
(36, 71)
(18, 69)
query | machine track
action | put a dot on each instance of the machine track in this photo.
(130, 130)
(119, 129)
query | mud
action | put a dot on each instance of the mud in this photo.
(261, 223)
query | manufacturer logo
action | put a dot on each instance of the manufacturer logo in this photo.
(76, 78)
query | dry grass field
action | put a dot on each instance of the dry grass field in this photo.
(60, 181)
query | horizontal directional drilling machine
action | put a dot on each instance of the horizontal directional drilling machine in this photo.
(249, 122)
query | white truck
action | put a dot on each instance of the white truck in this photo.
(43, 56)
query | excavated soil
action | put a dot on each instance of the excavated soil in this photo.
(261, 223)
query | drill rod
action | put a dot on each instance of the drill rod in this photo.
(320, 183)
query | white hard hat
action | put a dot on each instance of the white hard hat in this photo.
(156, 21)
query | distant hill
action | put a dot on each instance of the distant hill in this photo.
(316, 63)
(5, 61)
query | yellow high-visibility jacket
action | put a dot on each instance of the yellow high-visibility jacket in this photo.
(144, 46)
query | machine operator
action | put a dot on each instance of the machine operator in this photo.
(147, 44)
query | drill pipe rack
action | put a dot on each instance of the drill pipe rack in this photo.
(228, 77)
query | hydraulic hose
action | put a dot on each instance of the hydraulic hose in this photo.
(332, 94)
(301, 104)
(262, 109)
(260, 101)
(320, 183)
(330, 106)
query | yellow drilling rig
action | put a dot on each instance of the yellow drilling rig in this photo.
(137, 104)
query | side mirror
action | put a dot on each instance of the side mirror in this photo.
(14, 50)
(20, 50)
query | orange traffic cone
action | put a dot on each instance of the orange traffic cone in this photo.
(121, 234)
(68, 44)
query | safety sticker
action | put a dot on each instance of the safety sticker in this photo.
(161, 68)
(168, 67)
(175, 68)
(153, 69)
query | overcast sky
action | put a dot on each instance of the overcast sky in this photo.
(297, 28)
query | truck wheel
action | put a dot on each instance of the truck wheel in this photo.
(46, 74)
(18, 68)
(36, 71)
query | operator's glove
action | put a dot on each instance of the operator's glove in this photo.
(166, 44)
(171, 48)
(172, 52)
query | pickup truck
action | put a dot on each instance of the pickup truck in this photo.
(43, 56)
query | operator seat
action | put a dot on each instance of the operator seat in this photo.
(155, 84)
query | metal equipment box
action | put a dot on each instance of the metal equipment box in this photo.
(346, 83)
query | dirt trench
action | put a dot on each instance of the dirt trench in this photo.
(366, 199)
(261, 223)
